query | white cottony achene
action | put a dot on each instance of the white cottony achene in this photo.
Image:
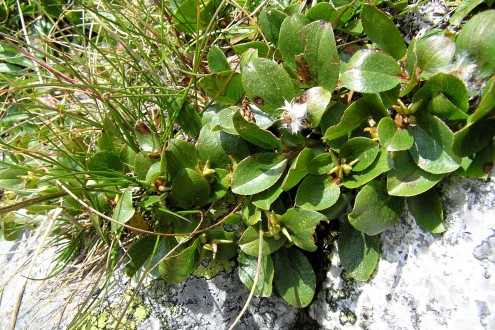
(294, 115)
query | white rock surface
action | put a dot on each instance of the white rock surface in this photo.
(424, 281)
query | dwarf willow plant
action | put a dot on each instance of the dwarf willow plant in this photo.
(323, 114)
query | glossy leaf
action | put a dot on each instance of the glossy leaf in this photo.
(451, 87)
(432, 148)
(179, 155)
(358, 252)
(477, 39)
(264, 199)
(295, 280)
(474, 137)
(320, 54)
(257, 173)
(249, 242)
(427, 210)
(252, 133)
(352, 118)
(224, 119)
(190, 188)
(289, 42)
(379, 166)
(317, 192)
(267, 85)
(433, 52)
(216, 146)
(393, 138)
(442, 107)
(371, 72)
(250, 213)
(375, 210)
(321, 164)
(381, 30)
(406, 178)
(247, 273)
(479, 165)
(217, 62)
(147, 139)
(361, 148)
(301, 225)
(177, 268)
(298, 169)
(124, 210)
(318, 100)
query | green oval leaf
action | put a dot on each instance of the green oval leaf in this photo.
(147, 139)
(289, 42)
(379, 166)
(252, 133)
(124, 210)
(105, 161)
(250, 213)
(250, 240)
(264, 199)
(318, 99)
(295, 280)
(352, 118)
(301, 225)
(442, 107)
(298, 169)
(142, 164)
(358, 252)
(267, 85)
(361, 148)
(432, 148)
(477, 39)
(433, 52)
(393, 138)
(317, 192)
(474, 137)
(270, 21)
(257, 173)
(451, 87)
(179, 155)
(216, 146)
(371, 72)
(375, 210)
(321, 164)
(382, 31)
(406, 178)
(320, 54)
(247, 273)
(217, 62)
(190, 188)
(177, 268)
(427, 210)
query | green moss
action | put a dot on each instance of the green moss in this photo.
(214, 268)
(107, 318)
